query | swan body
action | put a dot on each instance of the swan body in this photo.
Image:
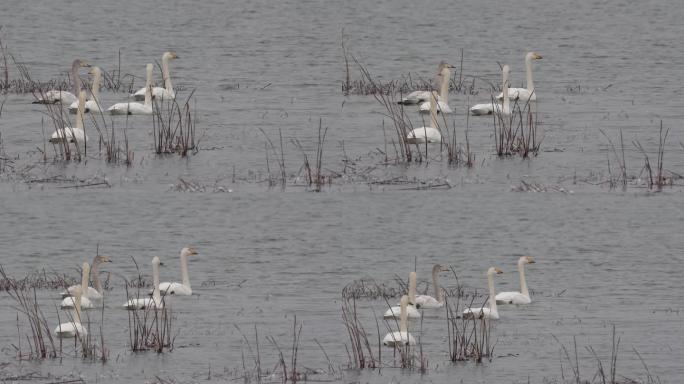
(180, 289)
(529, 93)
(76, 134)
(427, 134)
(401, 337)
(443, 78)
(73, 328)
(70, 301)
(154, 302)
(484, 312)
(503, 109)
(429, 302)
(411, 311)
(133, 108)
(522, 297)
(92, 105)
(165, 93)
(62, 96)
(90, 292)
(416, 97)
(84, 302)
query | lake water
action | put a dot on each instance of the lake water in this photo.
(605, 257)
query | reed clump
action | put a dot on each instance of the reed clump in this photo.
(173, 127)
(359, 351)
(517, 133)
(314, 174)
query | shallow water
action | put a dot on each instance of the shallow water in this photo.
(604, 257)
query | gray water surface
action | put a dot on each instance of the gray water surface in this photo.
(604, 257)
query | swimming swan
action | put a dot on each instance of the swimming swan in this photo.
(91, 293)
(133, 108)
(427, 134)
(180, 289)
(92, 105)
(522, 297)
(65, 97)
(70, 301)
(443, 78)
(401, 337)
(166, 93)
(484, 312)
(154, 302)
(73, 135)
(489, 108)
(73, 327)
(429, 302)
(529, 93)
(395, 311)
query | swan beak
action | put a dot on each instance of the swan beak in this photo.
(445, 269)
(498, 271)
(537, 56)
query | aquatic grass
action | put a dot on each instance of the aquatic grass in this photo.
(280, 159)
(621, 179)
(63, 150)
(173, 127)
(660, 178)
(315, 177)
(359, 350)
(39, 340)
(517, 133)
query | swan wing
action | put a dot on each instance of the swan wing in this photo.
(423, 134)
(512, 298)
(442, 107)
(427, 302)
(174, 288)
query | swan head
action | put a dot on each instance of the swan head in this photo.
(533, 56)
(444, 64)
(527, 260)
(156, 261)
(169, 55)
(187, 251)
(440, 268)
(102, 259)
(494, 271)
(79, 63)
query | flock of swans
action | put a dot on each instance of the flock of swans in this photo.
(83, 296)
(411, 305)
(78, 104)
(433, 103)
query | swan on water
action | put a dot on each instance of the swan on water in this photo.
(489, 108)
(522, 297)
(73, 134)
(72, 328)
(154, 302)
(429, 302)
(401, 337)
(395, 311)
(443, 79)
(484, 312)
(62, 96)
(92, 105)
(96, 292)
(428, 134)
(167, 92)
(135, 108)
(180, 289)
(529, 93)
(70, 301)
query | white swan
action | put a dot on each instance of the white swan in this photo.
(72, 328)
(73, 134)
(154, 302)
(489, 108)
(401, 337)
(522, 297)
(85, 303)
(427, 134)
(395, 311)
(61, 96)
(133, 108)
(91, 293)
(92, 105)
(180, 289)
(484, 312)
(429, 302)
(443, 77)
(529, 93)
(166, 93)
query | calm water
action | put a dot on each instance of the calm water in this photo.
(603, 257)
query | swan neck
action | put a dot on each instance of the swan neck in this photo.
(80, 116)
(523, 283)
(95, 275)
(184, 270)
(492, 294)
(75, 80)
(506, 86)
(411, 290)
(436, 286)
(403, 317)
(165, 73)
(148, 87)
(444, 86)
(433, 111)
(76, 314)
(85, 275)
(97, 79)
(156, 296)
(528, 72)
